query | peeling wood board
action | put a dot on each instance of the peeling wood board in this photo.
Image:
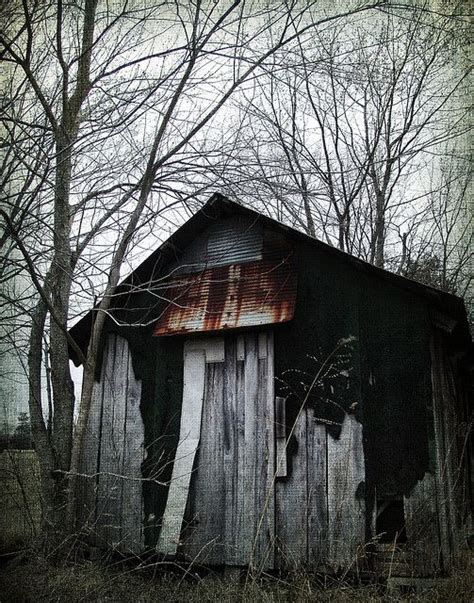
(421, 524)
(316, 441)
(119, 450)
(109, 495)
(346, 513)
(206, 505)
(134, 436)
(446, 462)
(301, 499)
(248, 468)
(291, 506)
(233, 435)
(238, 549)
(263, 547)
(231, 496)
(190, 427)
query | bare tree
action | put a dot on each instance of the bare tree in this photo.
(343, 136)
(437, 241)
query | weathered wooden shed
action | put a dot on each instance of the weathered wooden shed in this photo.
(265, 399)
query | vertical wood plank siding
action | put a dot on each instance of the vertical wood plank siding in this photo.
(89, 481)
(317, 492)
(421, 524)
(227, 502)
(447, 462)
(320, 518)
(190, 433)
(291, 505)
(346, 510)
(111, 503)
(230, 515)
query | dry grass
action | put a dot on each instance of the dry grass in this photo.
(19, 498)
(32, 578)
(35, 579)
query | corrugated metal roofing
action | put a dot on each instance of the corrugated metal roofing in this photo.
(229, 297)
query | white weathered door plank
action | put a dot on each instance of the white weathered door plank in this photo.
(203, 541)
(190, 427)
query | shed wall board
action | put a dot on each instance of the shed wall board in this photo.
(422, 528)
(317, 483)
(346, 511)
(88, 482)
(301, 498)
(448, 462)
(109, 495)
(292, 505)
(190, 433)
(230, 515)
(115, 449)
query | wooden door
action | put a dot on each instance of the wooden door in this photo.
(229, 393)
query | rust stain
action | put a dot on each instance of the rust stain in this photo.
(229, 297)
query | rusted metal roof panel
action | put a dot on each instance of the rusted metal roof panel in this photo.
(229, 297)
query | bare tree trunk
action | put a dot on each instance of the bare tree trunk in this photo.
(379, 231)
(307, 210)
(55, 452)
(52, 497)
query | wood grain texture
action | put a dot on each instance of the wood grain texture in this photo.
(249, 468)
(447, 463)
(423, 544)
(232, 460)
(88, 482)
(239, 550)
(346, 512)
(133, 443)
(263, 546)
(206, 505)
(316, 442)
(291, 506)
(190, 430)
(114, 447)
(109, 495)
(301, 499)
(231, 502)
